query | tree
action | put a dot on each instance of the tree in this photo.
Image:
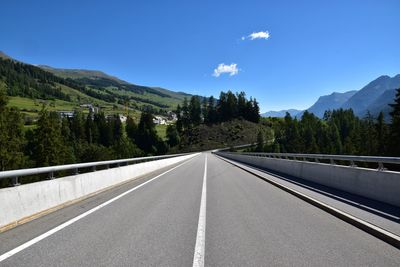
(172, 136)
(105, 131)
(204, 109)
(368, 135)
(382, 133)
(124, 148)
(179, 124)
(91, 131)
(131, 128)
(116, 126)
(185, 117)
(395, 126)
(336, 146)
(11, 135)
(241, 100)
(49, 144)
(211, 111)
(260, 142)
(146, 136)
(3, 96)
(78, 126)
(194, 110)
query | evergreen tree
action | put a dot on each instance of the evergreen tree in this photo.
(185, 117)
(91, 131)
(395, 126)
(78, 126)
(368, 136)
(124, 148)
(204, 110)
(11, 135)
(131, 128)
(241, 100)
(382, 133)
(105, 131)
(172, 136)
(146, 137)
(49, 144)
(179, 124)
(211, 111)
(116, 126)
(194, 111)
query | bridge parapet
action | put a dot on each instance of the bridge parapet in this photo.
(378, 184)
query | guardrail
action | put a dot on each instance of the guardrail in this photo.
(332, 158)
(15, 174)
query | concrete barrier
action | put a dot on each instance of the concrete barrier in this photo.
(378, 185)
(22, 203)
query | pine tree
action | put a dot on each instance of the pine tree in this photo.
(131, 128)
(146, 137)
(172, 136)
(211, 111)
(395, 126)
(382, 133)
(11, 137)
(49, 144)
(194, 111)
(204, 109)
(185, 117)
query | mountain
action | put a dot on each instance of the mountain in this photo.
(97, 78)
(374, 97)
(328, 102)
(79, 73)
(370, 93)
(382, 104)
(281, 113)
(4, 56)
(29, 87)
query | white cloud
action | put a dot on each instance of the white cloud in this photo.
(232, 69)
(257, 35)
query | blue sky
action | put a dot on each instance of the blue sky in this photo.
(313, 47)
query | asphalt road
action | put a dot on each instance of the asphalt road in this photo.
(245, 222)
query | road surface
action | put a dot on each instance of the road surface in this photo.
(204, 211)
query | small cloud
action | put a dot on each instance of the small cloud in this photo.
(232, 69)
(257, 35)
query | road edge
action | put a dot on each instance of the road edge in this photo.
(374, 230)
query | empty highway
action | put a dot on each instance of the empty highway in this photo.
(202, 212)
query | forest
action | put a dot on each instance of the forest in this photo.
(339, 132)
(56, 140)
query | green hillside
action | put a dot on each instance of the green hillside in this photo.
(140, 95)
(30, 87)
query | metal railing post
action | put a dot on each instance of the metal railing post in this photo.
(15, 181)
(381, 167)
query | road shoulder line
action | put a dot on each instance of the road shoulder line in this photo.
(81, 216)
(374, 230)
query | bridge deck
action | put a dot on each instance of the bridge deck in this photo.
(248, 222)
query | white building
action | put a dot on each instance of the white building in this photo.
(159, 120)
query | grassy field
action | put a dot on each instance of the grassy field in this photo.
(162, 131)
(31, 107)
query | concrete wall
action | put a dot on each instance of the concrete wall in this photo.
(22, 202)
(383, 186)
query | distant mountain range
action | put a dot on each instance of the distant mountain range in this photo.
(374, 97)
(281, 113)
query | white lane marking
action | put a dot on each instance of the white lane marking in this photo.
(198, 258)
(83, 215)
